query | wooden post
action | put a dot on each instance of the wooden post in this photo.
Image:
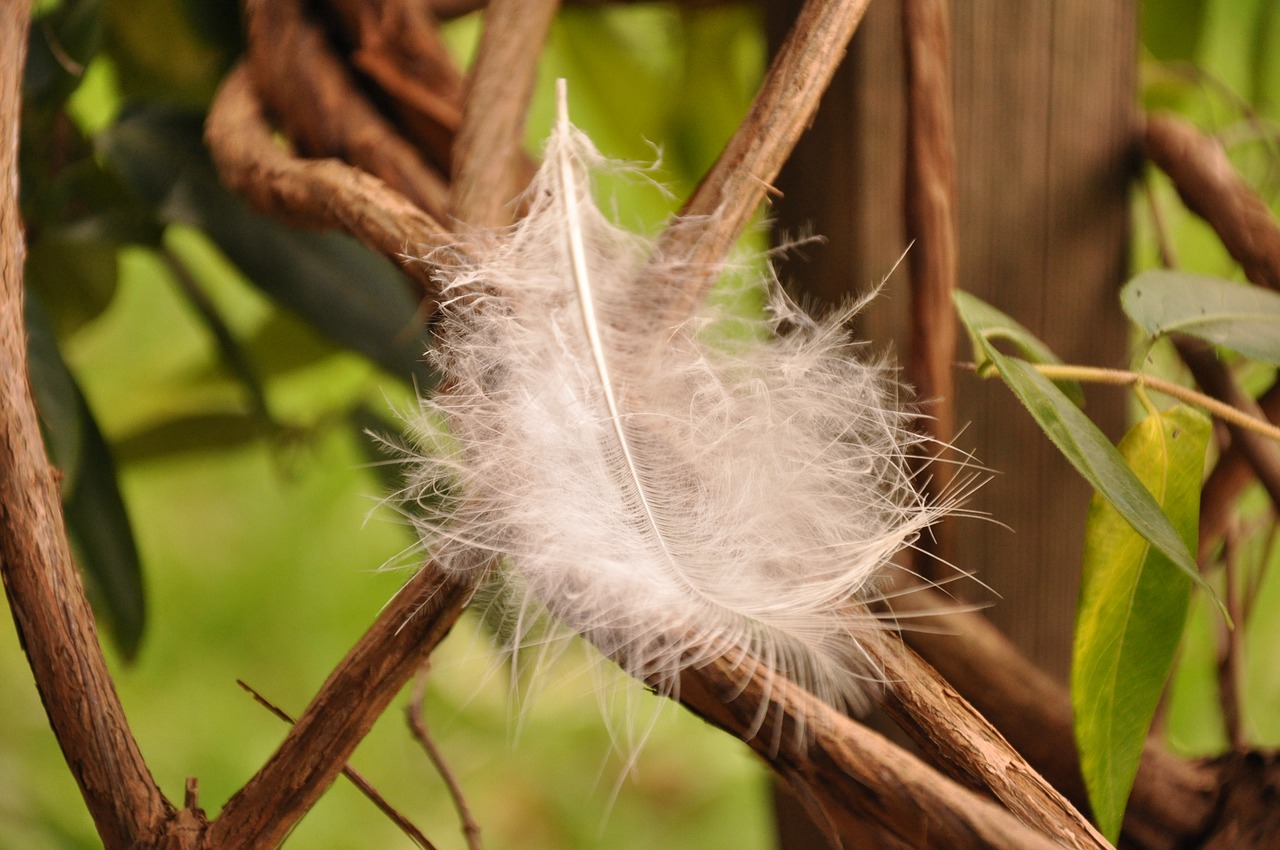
(1045, 123)
(1045, 143)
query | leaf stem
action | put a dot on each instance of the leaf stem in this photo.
(1125, 378)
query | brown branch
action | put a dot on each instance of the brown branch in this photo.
(356, 693)
(1172, 803)
(1211, 188)
(852, 774)
(930, 209)
(1262, 454)
(731, 191)
(489, 165)
(46, 597)
(352, 775)
(1231, 650)
(1230, 475)
(314, 193)
(956, 737)
(399, 48)
(319, 106)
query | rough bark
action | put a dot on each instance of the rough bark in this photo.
(45, 594)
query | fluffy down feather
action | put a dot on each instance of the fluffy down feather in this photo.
(663, 498)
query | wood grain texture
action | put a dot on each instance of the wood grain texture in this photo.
(1045, 146)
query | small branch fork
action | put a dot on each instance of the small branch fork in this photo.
(394, 196)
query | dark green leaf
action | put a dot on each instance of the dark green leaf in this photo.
(102, 537)
(1088, 450)
(980, 319)
(349, 294)
(159, 55)
(197, 433)
(59, 46)
(75, 280)
(56, 396)
(1241, 317)
(1133, 609)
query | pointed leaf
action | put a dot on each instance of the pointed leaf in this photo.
(1238, 316)
(1133, 608)
(981, 319)
(57, 399)
(102, 537)
(1088, 450)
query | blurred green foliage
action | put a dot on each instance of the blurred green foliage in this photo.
(206, 377)
(1218, 64)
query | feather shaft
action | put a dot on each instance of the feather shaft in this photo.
(586, 302)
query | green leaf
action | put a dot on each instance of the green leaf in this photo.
(74, 280)
(102, 538)
(1241, 317)
(1087, 449)
(194, 434)
(57, 399)
(982, 320)
(159, 54)
(1133, 609)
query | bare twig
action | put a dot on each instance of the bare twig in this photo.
(731, 191)
(488, 154)
(415, 713)
(353, 776)
(319, 106)
(1234, 408)
(1210, 186)
(46, 597)
(356, 693)
(314, 193)
(930, 208)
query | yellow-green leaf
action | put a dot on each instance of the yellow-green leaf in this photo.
(1133, 608)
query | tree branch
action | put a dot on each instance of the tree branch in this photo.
(399, 48)
(489, 168)
(315, 193)
(853, 775)
(318, 105)
(731, 191)
(52, 616)
(1209, 185)
(1262, 454)
(1230, 475)
(930, 209)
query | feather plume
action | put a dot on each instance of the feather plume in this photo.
(665, 498)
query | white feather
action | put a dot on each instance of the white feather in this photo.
(663, 498)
